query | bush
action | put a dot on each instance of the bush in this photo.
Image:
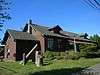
(72, 55)
(88, 48)
(49, 55)
(92, 55)
(89, 51)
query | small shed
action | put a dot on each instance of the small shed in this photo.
(18, 42)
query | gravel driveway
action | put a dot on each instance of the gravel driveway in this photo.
(94, 70)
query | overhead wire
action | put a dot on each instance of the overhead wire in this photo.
(88, 3)
(92, 3)
(97, 2)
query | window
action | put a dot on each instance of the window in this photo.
(50, 43)
(59, 43)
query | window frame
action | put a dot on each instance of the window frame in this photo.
(50, 43)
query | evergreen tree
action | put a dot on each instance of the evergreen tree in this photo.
(4, 15)
(96, 38)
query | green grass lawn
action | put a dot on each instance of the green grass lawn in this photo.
(59, 67)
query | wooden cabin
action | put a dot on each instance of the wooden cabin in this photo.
(55, 39)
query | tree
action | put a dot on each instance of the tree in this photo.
(93, 3)
(84, 35)
(4, 15)
(96, 38)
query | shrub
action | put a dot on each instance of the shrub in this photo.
(88, 48)
(89, 51)
(83, 54)
(93, 55)
(72, 55)
(49, 55)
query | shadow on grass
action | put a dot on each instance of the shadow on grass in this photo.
(8, 69)
(63, 71)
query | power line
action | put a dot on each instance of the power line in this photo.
(92, 3)
(88, 3)
(97, 2)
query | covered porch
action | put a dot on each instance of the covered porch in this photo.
(24, 47)
(79, 41)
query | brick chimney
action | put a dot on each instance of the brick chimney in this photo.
(29, 28)
(30, 21)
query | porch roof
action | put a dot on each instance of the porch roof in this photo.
(18, 35)
(21, 35)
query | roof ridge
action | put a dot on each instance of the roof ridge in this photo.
(39, 25)
(16, 30)
(20, 34)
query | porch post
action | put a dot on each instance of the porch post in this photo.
(75, 48)
(37, 59)
(23, 60)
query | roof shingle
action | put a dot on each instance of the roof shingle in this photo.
(19, 35)
(70, 35)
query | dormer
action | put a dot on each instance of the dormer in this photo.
(55, 29)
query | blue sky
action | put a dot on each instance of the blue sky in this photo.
(71, 15)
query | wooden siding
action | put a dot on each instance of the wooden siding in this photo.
(64, 44)
(10, 45)
(39, 37)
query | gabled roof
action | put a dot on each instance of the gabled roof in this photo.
(63, 34)
(70, 34)
(45, 30)
(75, 36)
(18, 35)
(57, 27)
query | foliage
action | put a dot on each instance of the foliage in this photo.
(84, 35)
(59, 67)
(72, 55)
(49, 55)
(88, 48)
(89, 51)
(96, 38)
(4, 15)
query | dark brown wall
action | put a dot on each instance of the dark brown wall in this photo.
(43, 41)
(11, 45)
(24, 46)
(38, 36)
(64, 44)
